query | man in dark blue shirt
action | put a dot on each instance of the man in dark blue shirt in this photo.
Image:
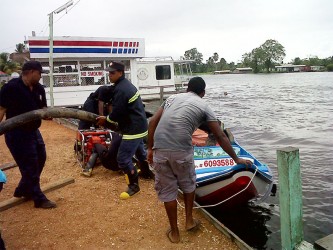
(18, 96)
(96, 103)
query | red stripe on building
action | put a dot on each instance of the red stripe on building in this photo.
(38, 43)
(83, 43)
(70, 43)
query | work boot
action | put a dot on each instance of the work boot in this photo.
(145, 171)
(20, 194)
(45, 204)
(87, 171)
(133, 188)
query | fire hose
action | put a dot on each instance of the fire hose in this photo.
(23, 119)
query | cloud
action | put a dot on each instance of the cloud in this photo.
(170, 27)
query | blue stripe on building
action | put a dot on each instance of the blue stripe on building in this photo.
(86, 50)
(71, 50)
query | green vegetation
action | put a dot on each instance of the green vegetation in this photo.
(211, 64)
(9, 66)
(261, 59)
(330, 66)
(314, 61)
(265, 57)
(20, 48)
(6, 65)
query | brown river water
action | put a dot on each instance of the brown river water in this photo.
(267, 112)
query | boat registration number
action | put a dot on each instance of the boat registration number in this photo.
(214, 163)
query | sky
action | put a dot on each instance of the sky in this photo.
(171, 27)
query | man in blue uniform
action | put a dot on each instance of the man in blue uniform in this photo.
(129, 116)
(18, 96)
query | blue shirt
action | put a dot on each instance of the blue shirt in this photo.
(17, 98)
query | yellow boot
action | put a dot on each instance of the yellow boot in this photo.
(132, 181)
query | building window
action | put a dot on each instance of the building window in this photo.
(163, 72)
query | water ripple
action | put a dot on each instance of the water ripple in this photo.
(267, 112)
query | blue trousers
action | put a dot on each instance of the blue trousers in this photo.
(126, 151)
(28, 150)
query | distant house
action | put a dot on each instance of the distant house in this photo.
(242, 70)
(292, 68)
(20, 58)
(317, 68)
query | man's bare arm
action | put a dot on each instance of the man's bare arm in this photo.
(2, 113)
(151, 131)
(100, 107)
(153, 122)
(224, 142)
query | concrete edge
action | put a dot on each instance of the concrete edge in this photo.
(65, 123)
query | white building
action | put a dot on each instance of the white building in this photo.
(79, 64)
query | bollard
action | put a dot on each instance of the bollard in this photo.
(290, 191)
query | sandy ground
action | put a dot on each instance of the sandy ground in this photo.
(89, 214)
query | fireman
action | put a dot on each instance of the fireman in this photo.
(128, 115)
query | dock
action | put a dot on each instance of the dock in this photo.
(325, 243)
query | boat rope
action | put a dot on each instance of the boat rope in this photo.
(219, 203)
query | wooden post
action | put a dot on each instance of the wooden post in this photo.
(161, 94)
(290, 191)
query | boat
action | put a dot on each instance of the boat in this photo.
(79, 64)
(221, 182)
(219, 72)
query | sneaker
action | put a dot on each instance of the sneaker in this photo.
(87, 172)
(45, 204)
(131, 190)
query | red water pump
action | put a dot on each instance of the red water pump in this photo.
(85, 141)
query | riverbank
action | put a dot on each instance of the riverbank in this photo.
(90, 214)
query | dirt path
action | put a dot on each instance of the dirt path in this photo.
(89, 214)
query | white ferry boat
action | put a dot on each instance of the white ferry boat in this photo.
(79, 64)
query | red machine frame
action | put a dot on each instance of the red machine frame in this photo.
(85, 141)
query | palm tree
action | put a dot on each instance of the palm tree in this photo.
(20, 48)
(6, 65)
(215, 58)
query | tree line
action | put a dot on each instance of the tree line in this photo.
(261, 59)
